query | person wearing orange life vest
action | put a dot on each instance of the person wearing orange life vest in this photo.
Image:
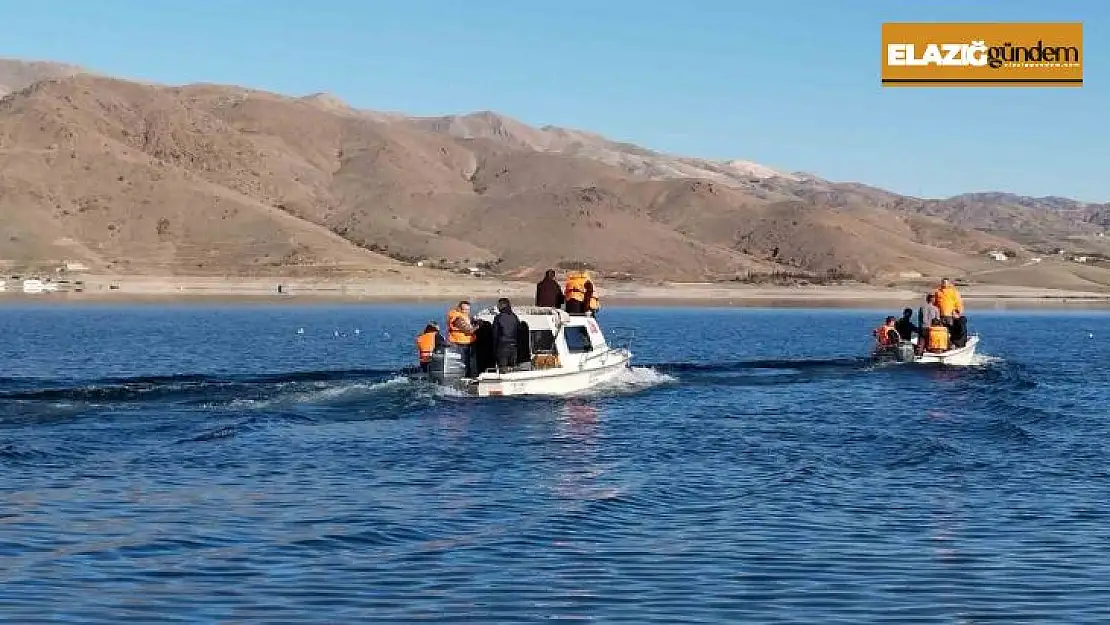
(579, 293)
(887, 335)
(948, 302)
(427, 342)
(461, 333)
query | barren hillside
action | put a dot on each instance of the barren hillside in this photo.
(15, 75)
(210, 179)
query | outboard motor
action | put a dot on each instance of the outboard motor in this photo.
(905, 352)
(447, 366)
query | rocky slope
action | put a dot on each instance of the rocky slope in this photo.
(15, 75)
(213, 179)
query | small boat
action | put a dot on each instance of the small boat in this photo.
(558, 354)
(904, 352)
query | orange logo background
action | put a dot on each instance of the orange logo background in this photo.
(990, 54)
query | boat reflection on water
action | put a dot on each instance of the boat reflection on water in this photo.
(579, 421)
(582, 474)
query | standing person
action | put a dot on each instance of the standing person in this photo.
(506, 326)
(948, 301)
(925, 316)
(427, 342)
(548, 292)
(461, 333)
(593, 305)
(578, 291)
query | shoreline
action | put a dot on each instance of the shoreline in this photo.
(178, 290)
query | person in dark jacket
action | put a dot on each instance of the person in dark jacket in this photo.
(548, 291)
(506, 327)
(591, 300)
(905, 325)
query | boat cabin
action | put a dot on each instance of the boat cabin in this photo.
(549, 338)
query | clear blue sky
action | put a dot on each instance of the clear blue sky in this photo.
(787, 83)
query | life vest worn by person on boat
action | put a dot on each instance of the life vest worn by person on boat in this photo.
(886, 335)
(461, 333)
(948, 301)
(426, 343)
(576, 290)
(937, 338)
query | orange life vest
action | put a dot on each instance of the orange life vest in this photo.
(456, 336)
(884, 334)
(947, 301)
(937, 340)
(575, 288)
(425, 345)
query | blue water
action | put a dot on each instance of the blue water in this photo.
(212, 464)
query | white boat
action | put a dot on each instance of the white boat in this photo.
(558, 354)
(957, 356)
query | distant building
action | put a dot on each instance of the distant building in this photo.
(996, 255)
(75, 266)
(33, 285)
(1079, 259)
(1035, 260)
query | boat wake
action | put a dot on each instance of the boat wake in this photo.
(285, 389)
(986, 360)
(271, 391)
(360, 387)
(631, 380)
(978, 360)
(765, 372)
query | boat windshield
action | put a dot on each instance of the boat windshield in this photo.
(578, 339)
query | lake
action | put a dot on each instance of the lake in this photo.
(253, 463)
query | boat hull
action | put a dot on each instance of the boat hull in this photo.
(958, 357)
(552, 381)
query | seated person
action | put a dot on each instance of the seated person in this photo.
(886, 335)
(905, 326)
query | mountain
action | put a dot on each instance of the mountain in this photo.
(15, 75)
(213, 179)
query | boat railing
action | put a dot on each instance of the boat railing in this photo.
(620, 337)
(616, 338)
